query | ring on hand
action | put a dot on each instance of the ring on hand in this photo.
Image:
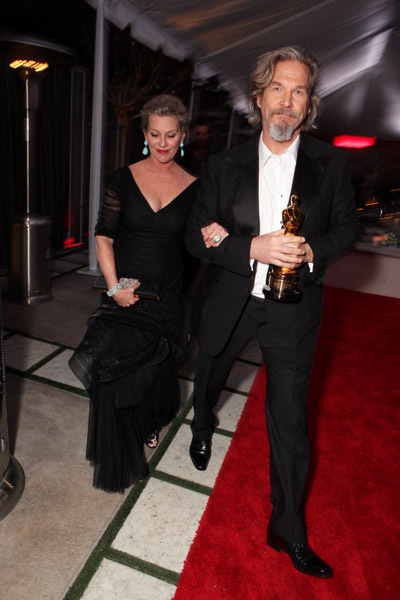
(217, 238)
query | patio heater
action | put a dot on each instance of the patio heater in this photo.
(12, 478)
(30, 233)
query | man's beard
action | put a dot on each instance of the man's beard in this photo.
(282, 133)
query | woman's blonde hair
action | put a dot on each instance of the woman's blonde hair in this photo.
(165, 105)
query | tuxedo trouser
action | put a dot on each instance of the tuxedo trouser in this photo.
(287, 335)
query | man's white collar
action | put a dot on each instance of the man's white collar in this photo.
(265, 153)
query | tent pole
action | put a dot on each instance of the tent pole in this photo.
(97, 135)
(193, 107)
(230, 130)
(191, 103)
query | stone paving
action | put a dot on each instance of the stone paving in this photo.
(65, 539)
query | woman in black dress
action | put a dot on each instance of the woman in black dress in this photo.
(130, 353)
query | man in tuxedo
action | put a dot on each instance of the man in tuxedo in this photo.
(235, 226)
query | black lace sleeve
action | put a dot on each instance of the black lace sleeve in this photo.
(109, 211)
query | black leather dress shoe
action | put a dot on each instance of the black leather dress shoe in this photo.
(301, 555)
(200, 453)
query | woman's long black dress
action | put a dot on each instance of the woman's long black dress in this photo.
(129, 356)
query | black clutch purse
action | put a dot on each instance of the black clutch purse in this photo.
(148, 290)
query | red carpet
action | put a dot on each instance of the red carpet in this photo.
(353, 509)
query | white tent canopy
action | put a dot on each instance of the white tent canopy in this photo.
(357, 42)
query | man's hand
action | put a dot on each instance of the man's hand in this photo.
(276, 248)
(309, 255)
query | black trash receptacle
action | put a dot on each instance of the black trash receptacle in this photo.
(30, 259)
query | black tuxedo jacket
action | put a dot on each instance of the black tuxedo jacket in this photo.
(229, 196)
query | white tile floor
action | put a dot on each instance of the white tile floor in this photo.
(114, 581)
(64, 266)
(144, 555)
(241, 377)
(186, 388)
(176, 460)
(162, 524)
(229, 408)
(78, 258)
(163, 521)
(57, 369)
(22, 353)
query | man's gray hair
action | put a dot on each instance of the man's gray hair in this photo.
(263, 72)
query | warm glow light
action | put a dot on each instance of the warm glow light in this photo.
(390, 215)
(70, 243)
(353, 141)
(41, 67)
(29, 64)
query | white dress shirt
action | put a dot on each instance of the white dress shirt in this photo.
(275, 181)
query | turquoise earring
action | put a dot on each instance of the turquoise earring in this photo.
(182, 150)
(145, 150)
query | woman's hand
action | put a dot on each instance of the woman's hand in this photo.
(126, 296)
(213, 235)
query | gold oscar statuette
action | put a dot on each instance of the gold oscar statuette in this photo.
(282, 282)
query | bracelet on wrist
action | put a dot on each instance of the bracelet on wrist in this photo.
(114, 289)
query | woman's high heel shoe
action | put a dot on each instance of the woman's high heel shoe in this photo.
(152, 440)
